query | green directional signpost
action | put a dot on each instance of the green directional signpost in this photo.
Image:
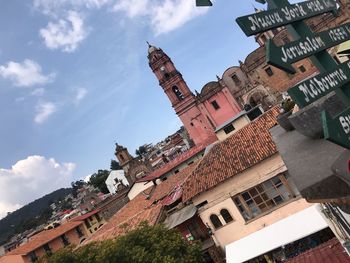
(306, 44)
(287, 14)
(316, 87)
(282, 57)
(337, 130)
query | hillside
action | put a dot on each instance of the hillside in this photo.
(32, 214)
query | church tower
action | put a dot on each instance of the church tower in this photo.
(134, 168)
(181, 98)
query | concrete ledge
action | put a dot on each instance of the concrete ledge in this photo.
(309, 163)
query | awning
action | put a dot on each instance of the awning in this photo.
(180, 216)
(175, 195)
(344, 48)
(285, 231)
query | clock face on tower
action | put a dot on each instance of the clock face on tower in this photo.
(162, 68)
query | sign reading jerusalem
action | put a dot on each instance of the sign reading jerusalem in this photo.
(266, 20)
(282, 57)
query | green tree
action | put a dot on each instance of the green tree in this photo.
(141, 150)
(76, 186)
(115, 165)
(98, 180)
(147, 244)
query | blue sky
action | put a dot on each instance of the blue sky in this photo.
(74, 79)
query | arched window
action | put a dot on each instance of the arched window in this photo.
(178, 93)
(226, 215)
(215, 221)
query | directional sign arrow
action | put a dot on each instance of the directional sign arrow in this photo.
(316, 87)
(203, 3)
(266, 20)
(282, 57)
(337, 130)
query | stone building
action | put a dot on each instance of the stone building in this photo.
(134, 167)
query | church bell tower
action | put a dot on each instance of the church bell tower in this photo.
(181, 98)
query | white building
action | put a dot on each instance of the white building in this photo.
(115, 179)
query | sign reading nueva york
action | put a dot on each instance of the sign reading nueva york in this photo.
(337, 130)
(316, 87)
(282, 57)
(265, 20)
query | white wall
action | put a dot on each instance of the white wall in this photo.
(111, 180)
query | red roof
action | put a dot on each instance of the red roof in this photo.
(174, 163)
(329, 252)
(44, 237)
(83, 217)
(247, 147)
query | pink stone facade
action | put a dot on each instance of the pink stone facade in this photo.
(200, 114)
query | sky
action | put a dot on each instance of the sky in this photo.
(74, 80)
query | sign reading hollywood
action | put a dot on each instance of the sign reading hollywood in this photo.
(337, 130)
(282, 57)
(266, 20)
(316, 87)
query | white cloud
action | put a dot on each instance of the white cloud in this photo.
(43, 111)
(25, 74)
(66, 34)
(132, 7)
(163, 16)
(174, 14)
(56, 7)
(30, 179)
(80, 95)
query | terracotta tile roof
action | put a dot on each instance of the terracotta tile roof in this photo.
(244, 149)
(140, 209)
(132, 208)
(329, 252)
(44, 237)
(83, 217)
(151, 215)
(174, 163)
(168, 185)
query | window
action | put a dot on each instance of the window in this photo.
(79, 232)
(122, 157)
(47, 249)
(192, 124)
(178, 93)
(215, 105)
(229, 128)
(32, 257)
(98, 218)
(215, 221)
(65, 240)
(226, 215)
(269, 71)
(263, 197)
(236, 79)
(302, 68)
(87, 223)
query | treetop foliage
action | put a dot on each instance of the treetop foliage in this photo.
(147, 244)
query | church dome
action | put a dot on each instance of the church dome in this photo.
(209, 87)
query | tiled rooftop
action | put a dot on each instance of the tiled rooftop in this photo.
(168, 185)
(174, 163)
(244, 149)
(141, 208)
(44, 237)
(329, 252)
(85, 216)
